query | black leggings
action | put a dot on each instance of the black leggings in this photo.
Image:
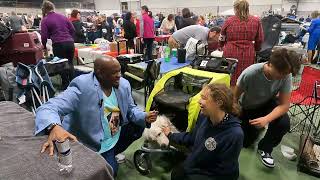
(276, 129)
(148, 43)
(65, 50)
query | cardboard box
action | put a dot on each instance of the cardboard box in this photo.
(114, 46)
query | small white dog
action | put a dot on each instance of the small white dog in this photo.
(154, 133)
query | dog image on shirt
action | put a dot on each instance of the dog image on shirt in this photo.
(155, 135)
(114, 122)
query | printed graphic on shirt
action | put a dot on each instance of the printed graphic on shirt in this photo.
(210, 144)
(113, 117)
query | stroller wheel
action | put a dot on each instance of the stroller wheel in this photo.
(142, 162)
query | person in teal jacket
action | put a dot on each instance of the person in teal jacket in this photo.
(98, 109)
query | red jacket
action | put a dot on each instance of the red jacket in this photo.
(138, 27)
(148, 26)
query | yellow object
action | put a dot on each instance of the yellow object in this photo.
(193, 107)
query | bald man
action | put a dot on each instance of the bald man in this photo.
(98, 110)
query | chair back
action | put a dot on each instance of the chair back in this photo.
(306, 88)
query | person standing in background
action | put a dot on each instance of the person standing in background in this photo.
(77, 24)
(241, 36)
(147, 31)
(202, 21)
(186, 20)
(16, 22)
(60, 30)
(168, 25)
(129, 29)
(314, 39)
(36, 21)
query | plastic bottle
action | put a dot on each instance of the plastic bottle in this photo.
(167, 54)
(64, 156)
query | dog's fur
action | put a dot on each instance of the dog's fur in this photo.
(154, 133)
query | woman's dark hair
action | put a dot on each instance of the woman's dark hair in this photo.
(75, 13)
(285, 61)
(128, 16)
(145, 8)
(186, 13)
(170, 17)
(47, 7)
(220, 92)
(150, 14)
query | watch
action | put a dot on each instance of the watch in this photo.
(51, 126)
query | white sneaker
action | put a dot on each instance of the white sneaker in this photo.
(266, 159)
(121, 158)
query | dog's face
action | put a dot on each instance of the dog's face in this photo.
(156, 135)
(155, 132)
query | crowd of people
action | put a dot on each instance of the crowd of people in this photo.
(231, 118)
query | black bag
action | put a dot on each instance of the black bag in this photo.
(5, 33)
(214, 64)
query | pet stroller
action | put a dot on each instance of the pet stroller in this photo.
(176, 96)
(271, 27)
(35, 85)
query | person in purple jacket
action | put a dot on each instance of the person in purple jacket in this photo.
(60, 30)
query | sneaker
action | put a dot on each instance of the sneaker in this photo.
(266, 159)
(121, 158)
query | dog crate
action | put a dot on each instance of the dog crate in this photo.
(22, 47)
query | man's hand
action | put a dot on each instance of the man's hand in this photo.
(259, 122)
(59, 134)
(152, 116)
(166, 130)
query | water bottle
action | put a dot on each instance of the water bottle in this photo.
(167, 54)
(64, 156)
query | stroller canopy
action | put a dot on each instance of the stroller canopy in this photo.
(193, 107)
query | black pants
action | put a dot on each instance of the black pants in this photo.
(178, 173)
(129, 133)
(148, 43)
(276, 129)
(130, 44)
(65, 50)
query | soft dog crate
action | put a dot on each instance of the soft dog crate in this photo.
(24, 47)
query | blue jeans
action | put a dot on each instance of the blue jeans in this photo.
(129, 133)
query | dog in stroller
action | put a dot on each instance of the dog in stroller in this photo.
(154, 135)
(175, 96)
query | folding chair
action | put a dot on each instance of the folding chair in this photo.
(35, 84)
(144, 77)
(303, 97)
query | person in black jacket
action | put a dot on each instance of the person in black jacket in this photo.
(79, 36)
(129, 29)
(216, 140)
(186, 20)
